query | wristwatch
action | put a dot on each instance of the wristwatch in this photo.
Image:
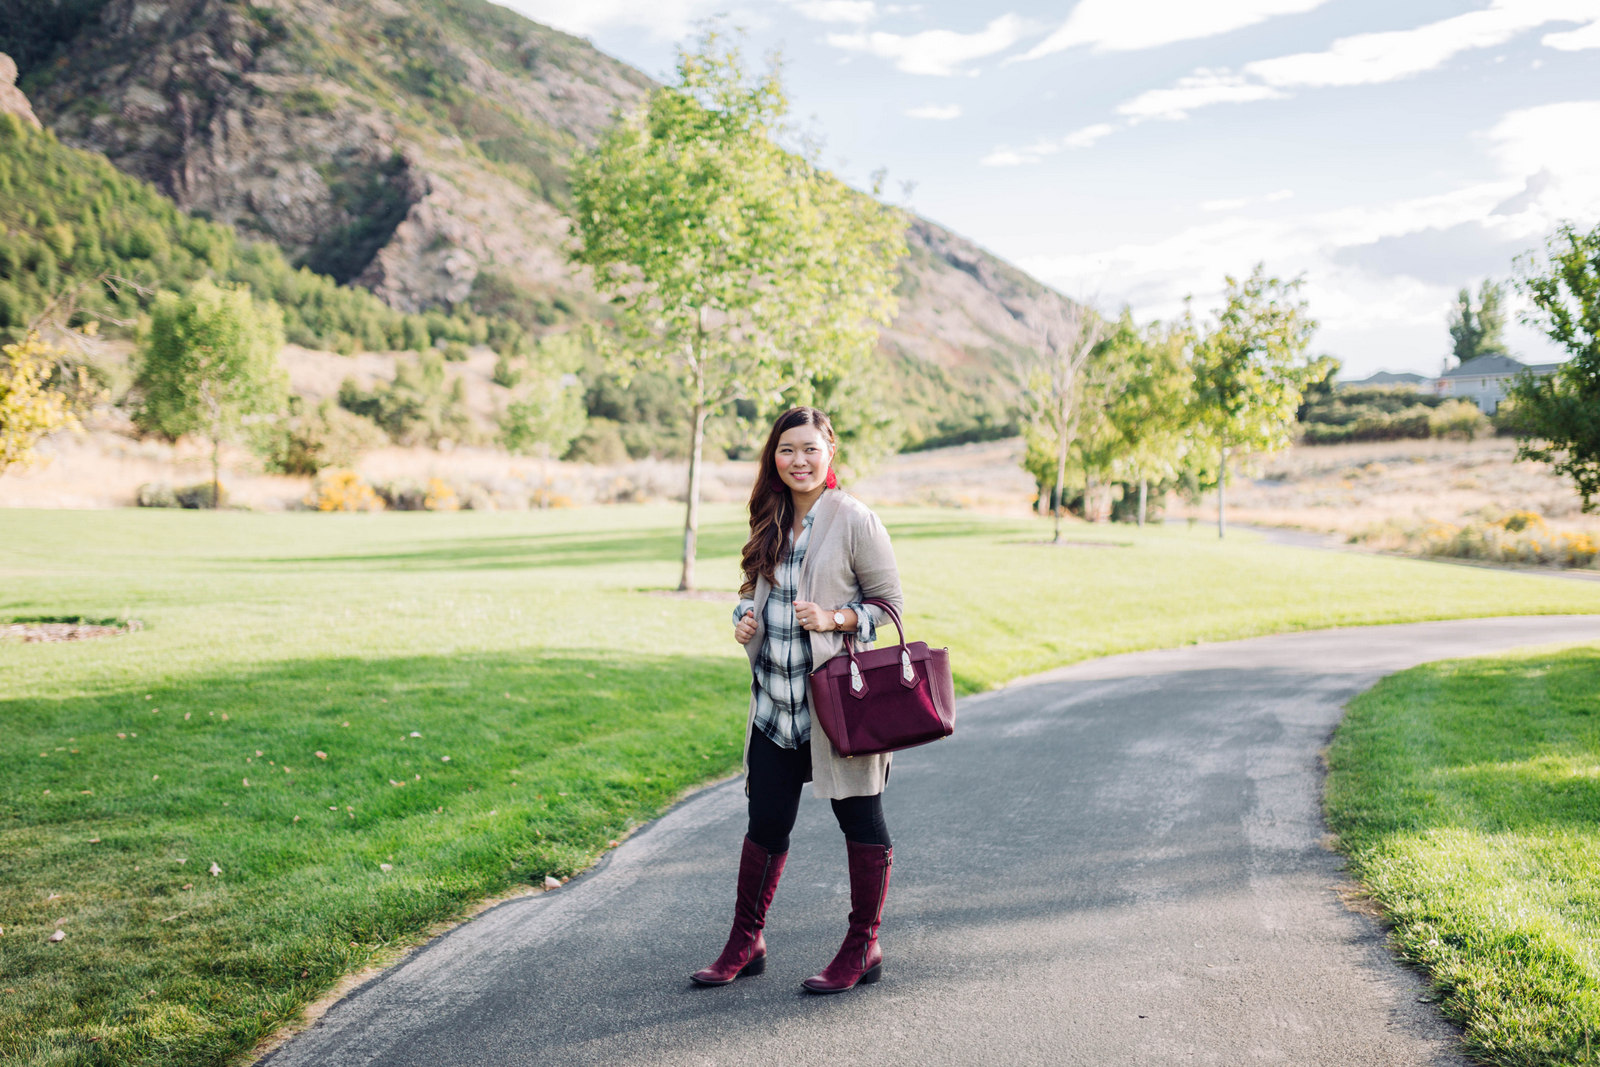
(838, 620)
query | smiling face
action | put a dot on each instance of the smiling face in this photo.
(802, 458)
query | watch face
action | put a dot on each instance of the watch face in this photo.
(838, 618)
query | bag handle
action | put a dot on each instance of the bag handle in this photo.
(889, 610)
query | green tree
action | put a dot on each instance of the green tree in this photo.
(545, 413)
(1558, 416)
(1250, 370)
(1477, 329)
(209, 366)
(1153, 408)
(738, 266)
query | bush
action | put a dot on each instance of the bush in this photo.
(440, 497)
(342, 490)
(1457, 418)
(1519, 537)
(198, 496)
(156, 495)
(600, 443)
(421, 405)
(326, 436)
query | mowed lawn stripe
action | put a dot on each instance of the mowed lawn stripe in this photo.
(533, 650)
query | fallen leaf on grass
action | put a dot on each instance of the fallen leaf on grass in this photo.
(259, 753)
(393, 782)
(385, 867)
(52, 896)
(322, 755)
(297, 818)
(415, 734)
(183, 859)
(215, 870)
(59, 935)
(551, 882)
(94, 840)
(122, 737)
(188, 885)
(247, 783)
(444, 759)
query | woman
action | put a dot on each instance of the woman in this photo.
(813, 556)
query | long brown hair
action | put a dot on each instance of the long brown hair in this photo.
(771, 505)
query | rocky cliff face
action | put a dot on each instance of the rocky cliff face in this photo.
(12, 101)
(419, 149)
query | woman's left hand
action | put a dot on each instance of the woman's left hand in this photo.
(812, 617)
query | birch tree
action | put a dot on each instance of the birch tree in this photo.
(1067, 337)
(737, 265)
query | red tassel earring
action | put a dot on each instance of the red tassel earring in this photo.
(833, 480)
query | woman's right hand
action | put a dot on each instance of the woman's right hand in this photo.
(746, 628)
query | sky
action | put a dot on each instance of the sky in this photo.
(1136, 152)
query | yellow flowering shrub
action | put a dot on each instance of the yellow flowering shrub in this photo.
(337, 490)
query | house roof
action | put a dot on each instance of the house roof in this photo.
(1483, 366)
(1385, 377)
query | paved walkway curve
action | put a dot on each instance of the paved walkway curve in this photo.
(1120, 862)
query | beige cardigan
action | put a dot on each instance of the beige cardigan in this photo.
(848, 559)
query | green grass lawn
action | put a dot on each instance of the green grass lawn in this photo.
(1467, 796)
(572, 704)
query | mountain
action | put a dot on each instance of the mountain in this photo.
(418, 150)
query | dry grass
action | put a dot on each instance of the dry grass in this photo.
(104, 469)
(1348, 489)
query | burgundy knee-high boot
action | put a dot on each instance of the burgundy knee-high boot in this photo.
(859, 959)
(746, 950)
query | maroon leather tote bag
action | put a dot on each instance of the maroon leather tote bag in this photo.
(887, 698)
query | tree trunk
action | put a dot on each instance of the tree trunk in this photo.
(1222, 496)
(1061, 470)
(691, 519)
(216, 475)
(1144, 492)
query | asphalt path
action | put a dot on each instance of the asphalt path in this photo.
(1121, 862)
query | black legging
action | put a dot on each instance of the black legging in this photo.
(777, 775)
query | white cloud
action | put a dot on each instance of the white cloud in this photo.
(1077, 139)
(1200, 89)
(1122, 25)
(1574, 40)
(1238, 202)
(857, 11)
(1371, 58)
(1086, 137)
(665, 20)
(1005, 157)
(938, 112)
(1375, 272)
(935, 52)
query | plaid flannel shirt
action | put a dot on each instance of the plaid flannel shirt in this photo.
(783, 667)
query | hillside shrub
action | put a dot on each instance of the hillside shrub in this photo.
(155, 495)
(422, 406)
(1459, 419)
(199, 496)
(1386, 414)
(600, 443)
(342, 490)
(325, 436)
(70, 220)
(1517, 537)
